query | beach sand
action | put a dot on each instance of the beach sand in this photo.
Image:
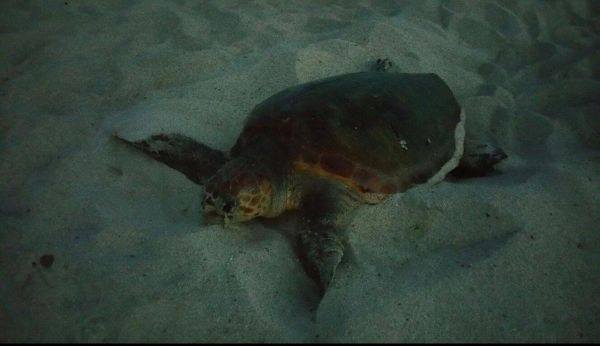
(512, 257)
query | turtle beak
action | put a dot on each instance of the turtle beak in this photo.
(212, 217)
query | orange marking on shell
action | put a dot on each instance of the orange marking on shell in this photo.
(337, 165)
(369, 183)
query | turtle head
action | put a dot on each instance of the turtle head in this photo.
(239, 191)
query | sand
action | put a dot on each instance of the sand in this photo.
(512, 257)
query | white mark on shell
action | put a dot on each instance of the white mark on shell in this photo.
(403, 144)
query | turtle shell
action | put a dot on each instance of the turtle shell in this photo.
(378, 133)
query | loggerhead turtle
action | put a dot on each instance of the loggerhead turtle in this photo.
(326, 147)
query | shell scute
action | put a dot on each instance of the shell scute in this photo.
(371, 131)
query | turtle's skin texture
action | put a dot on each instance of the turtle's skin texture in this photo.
(326, 147)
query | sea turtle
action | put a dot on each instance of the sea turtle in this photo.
(326, 147)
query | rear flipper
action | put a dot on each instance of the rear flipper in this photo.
(196, 160)
(478, 160)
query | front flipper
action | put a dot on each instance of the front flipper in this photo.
(196, 160)
(323, 238)
(322, 252)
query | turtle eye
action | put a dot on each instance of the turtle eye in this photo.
(227, 207)
(209, 200)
